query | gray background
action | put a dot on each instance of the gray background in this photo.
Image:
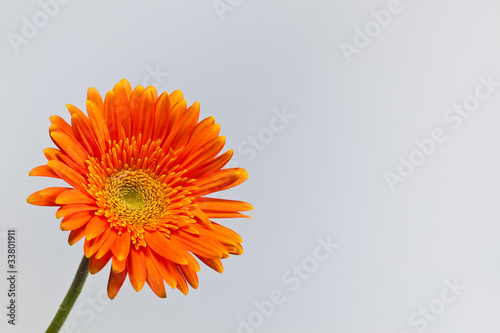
(322, 175)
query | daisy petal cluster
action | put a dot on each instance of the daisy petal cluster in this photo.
(139, 169)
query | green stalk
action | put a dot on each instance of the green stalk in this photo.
(71, 296)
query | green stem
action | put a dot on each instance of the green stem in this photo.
(71, 296)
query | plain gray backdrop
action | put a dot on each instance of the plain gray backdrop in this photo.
(361, 82)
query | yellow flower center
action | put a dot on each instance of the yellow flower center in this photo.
(135, 197)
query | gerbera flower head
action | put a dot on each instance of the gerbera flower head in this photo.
(139, 169)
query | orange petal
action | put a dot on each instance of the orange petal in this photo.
(96, 264)
(84, 133)
(202, 218)
(201, 127)
(66, 173)
(137, 268)
(203, 133)
(121, 247)
(115, 283)
(76, 221)
(214, 214)
(74, 110)
(154, 278)
(236, 250)
(142, 104)
(181, 282)
(122, 106)
(221, 234)
(174, 275)
(83, 129)
(222, 204)
(72, 209)
(106, 246)
(214, 264)
(118, 265)
(165, 248)
(126, 86)
(190, 276)
(51, 153)
(175, 122)
(46, 197)
(211, 166)
(76, 235)
(66, 159)
(206, 152)
(220, 180)
(162, 116)
(70, 146)
(113, 122)
(72, 196)
(192, 263)
(163, 268)
(94, 96)
(43, 171)
(62, 126)
(98, 123)
(186, 126)
(36, 199)
(202, 246)
(222, 230)
(175, 97)
(95, 227)
(92, 245)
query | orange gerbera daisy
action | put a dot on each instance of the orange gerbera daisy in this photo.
(139, 167)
